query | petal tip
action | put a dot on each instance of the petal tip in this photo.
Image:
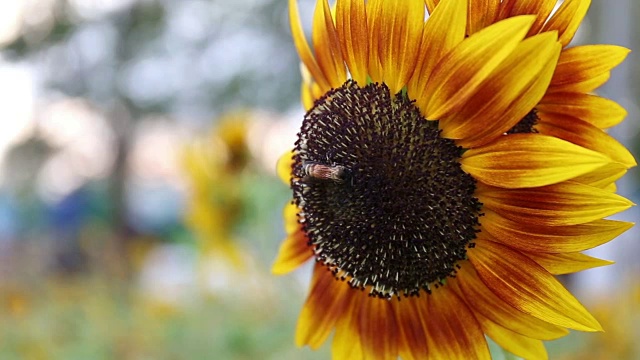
(284, 167)
(278, 269)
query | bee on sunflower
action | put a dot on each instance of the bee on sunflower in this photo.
(473, 167)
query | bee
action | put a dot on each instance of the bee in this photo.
(318, 171)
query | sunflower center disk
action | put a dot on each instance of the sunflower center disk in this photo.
(384, 201)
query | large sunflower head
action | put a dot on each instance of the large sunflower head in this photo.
(445, 171)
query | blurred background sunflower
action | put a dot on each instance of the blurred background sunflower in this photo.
(138, 187)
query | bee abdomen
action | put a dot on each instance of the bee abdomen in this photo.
(318, 171)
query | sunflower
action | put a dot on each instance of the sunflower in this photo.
(435, 199)
(568, 110)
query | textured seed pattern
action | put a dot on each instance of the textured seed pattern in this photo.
(404, 214)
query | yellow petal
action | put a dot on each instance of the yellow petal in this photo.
(588, 136)
(377, 328)
(444, 29)
(529, 160)
(566, 203)
(351, 24)
(306, 96)
(519, 345)
(567, 19)
(431, 5)
(325, 304)
(310, 90)
(506, 90)
(294, 250)
(346, 341)
(327, 45)
(317, 91)
(412, 334)
(611, 187)
(528, 287)
(284, 167)
(374, 12)
(584, 68)
(585, 86)
(290, 217)
(457, 76)
(518, 109)
(566, 263)
(541, 8)
(551, 239)
(482, 13)
(604, 177)
(504, 10)
(602, 113)
(483, 301)
(400, 33)
(302, 46)
(454, 333)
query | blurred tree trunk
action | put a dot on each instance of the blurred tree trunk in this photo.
(122, 125)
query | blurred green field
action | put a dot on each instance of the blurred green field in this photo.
(98, 318)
